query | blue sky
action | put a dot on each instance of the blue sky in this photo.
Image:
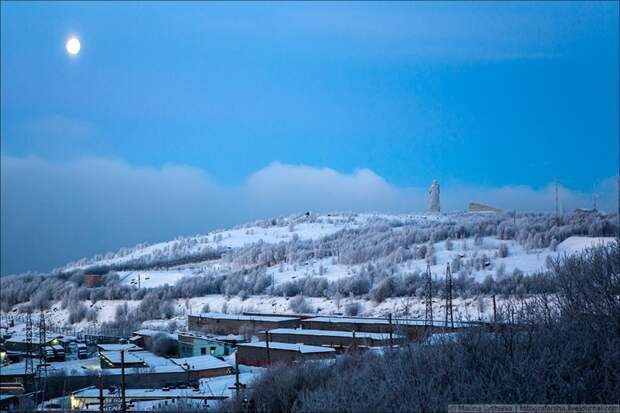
(478, 95)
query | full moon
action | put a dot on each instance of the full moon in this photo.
(73, 46)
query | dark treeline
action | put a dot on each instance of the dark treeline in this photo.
(569, 353)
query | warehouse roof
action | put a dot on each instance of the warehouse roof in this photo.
(381, 321)
(241, 317)
(201, 363)
(115, 357)
(93, 392)
(332, 333)
(118, 347)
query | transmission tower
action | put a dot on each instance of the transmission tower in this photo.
(29, 362)
(42, 368)
(429, 297)
(449, 315)
(42, 341)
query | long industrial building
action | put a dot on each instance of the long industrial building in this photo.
(217, 323)
(412, 329)
(260, 354)
(331, 338)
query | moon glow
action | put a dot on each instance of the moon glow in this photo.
(73, 46)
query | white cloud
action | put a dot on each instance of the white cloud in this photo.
(53, 212)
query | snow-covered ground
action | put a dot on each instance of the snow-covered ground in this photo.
(528, 262)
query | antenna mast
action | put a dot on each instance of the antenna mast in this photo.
(29, 362)
(449, 315)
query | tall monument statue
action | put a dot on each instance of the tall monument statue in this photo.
(433, 200)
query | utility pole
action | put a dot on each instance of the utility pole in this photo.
(100, 385)
(429, 297)
(391, 330)
(267, 347)
(123, 400)
(557, 200)
(237, 384)
(494, 310)
(449, 315)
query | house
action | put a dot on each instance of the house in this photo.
(217, 323)
(116, 359)
(143, 337)
(117, 347)
(193, 344)
(261, 355)
(20, 343)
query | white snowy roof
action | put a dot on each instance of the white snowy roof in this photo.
(301, 348)
(118, 347)
(332, 333)
(21, 338)
(93, 392)
(382, 321)
(201, 363)
(73, 367)
(115, 357)
(147, 332)
(224, 385)
(241, 317)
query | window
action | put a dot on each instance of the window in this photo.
(213, 350)
(203, 351)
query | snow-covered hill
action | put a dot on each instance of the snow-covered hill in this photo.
(375, 260)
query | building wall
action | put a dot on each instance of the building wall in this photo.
(201, 374)
(320, 340)
(257, 356)
(225, 326)
(198, 346)
(412, 332)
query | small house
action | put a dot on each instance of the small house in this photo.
(192, 344)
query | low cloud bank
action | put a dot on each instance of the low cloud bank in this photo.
(54, 212)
